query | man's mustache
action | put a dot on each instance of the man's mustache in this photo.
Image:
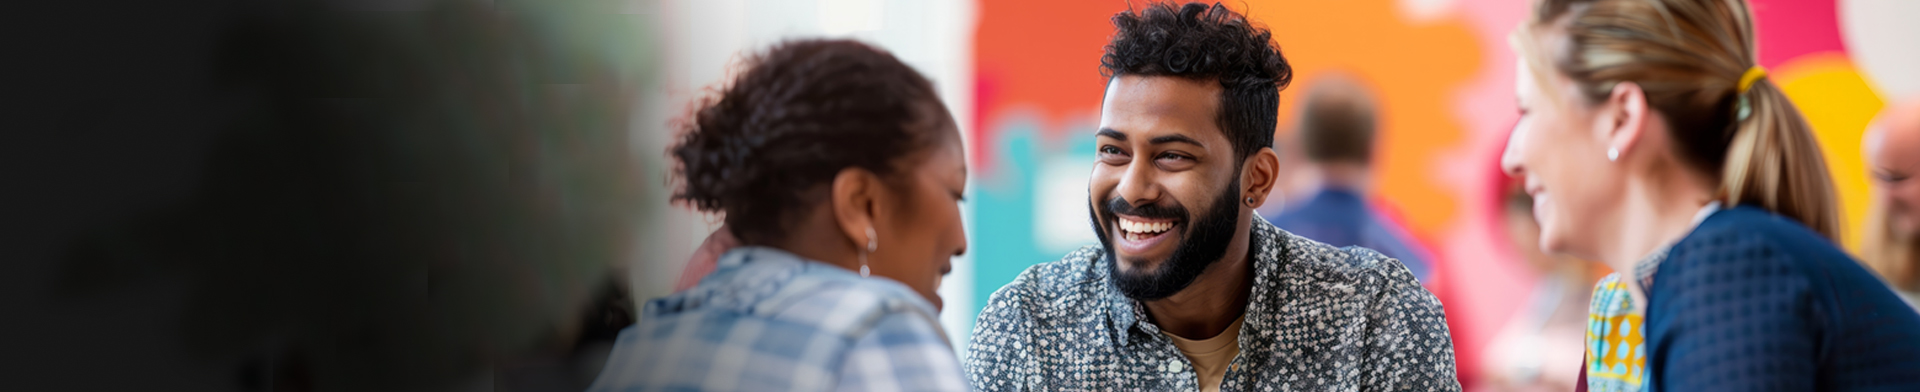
(1151, 211)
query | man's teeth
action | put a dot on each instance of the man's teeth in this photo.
(1133, 226)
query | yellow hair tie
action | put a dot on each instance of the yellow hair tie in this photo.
(1753, 75)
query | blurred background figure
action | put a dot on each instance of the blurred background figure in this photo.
(1892, 231)
(1539, 348)
(1331, 200)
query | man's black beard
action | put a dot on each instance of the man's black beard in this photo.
(1202, 244)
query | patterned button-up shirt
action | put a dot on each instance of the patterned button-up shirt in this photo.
(767, 320)
(1319, 318)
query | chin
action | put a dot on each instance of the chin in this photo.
(1554, 241)
(1136, 266)
(1906, 229)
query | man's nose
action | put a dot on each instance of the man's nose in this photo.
(1137, 186)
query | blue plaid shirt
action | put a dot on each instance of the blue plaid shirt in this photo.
(767, 320)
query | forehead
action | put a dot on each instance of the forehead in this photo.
(1162, 104)
(947, 152)
(1894, 144)
(1534, 48)
(1547, 90)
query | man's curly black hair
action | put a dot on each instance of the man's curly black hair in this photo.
(802, 111)
(1205, 42)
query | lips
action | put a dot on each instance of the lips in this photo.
(1140, 229)
(1142, 237)
(1542, 203)
(1538, 193)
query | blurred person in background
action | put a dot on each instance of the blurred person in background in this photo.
(840, 173)
(319, 196)
(1892, 230)
(1336, 133)
(1537, 347)
(1188, 289)
(1651, 141)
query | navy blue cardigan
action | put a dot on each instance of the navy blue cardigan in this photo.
(1752, 301)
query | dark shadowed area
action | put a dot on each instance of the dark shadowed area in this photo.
(318, 195)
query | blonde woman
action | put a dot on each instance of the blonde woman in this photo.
(1651, 140)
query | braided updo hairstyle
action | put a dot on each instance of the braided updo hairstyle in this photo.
(761, 150)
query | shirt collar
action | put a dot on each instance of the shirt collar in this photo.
(1267, 251)
(768, 265)
(1644, 270)
(1705, 211)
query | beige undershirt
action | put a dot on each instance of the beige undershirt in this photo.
(1211, 356)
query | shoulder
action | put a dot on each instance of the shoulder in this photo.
(902, 352)
(1351, 265)
(1747, 228)
(1737, 249)
(850, 332)
(1743, 243)
(1046, 300)
(849, 308)
(1403, 327)
(1747, 250)
(799, 296)
(1350, 275)
(759, 311)
(1052, 288)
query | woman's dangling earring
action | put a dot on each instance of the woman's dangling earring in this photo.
(1613, 154)
(872, 244)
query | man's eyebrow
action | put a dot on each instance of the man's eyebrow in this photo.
(1174, 139)
(1109, 132)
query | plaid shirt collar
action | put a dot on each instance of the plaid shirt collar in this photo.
(772, 270)
(766, 319)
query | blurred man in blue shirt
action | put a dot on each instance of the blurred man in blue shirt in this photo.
(1336, 133)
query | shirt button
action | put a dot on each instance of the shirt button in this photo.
(1174, 366)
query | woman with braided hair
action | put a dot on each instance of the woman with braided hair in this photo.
(839, 173)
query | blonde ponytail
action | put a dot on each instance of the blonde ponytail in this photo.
(1775, 162)
(1694, 59)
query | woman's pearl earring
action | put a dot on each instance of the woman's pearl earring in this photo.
(873, 243)
(1613, 154)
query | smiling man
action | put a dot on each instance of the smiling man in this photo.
(1189, 289)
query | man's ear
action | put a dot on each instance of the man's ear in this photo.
(1624, 117)
(854, 204)
(1258, 175)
